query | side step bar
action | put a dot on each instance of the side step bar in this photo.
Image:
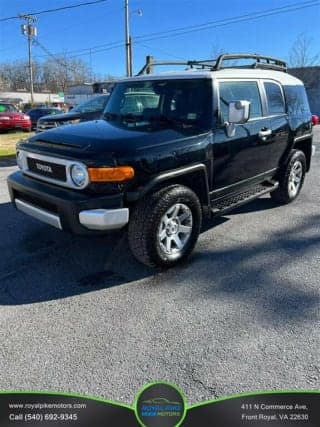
(226, 204)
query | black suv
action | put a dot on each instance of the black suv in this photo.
(169, 149)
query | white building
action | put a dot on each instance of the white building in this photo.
(22, 97)
(76, 94)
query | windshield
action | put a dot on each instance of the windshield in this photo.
(7, 108)
(51, 111)
(95, 104)
(186, 104)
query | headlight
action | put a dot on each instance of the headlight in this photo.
(79, 175)
(21, 160)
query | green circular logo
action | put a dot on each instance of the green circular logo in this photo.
(160, 405)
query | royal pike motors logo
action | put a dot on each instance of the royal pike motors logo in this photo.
(160, 405)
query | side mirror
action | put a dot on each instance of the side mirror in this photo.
(239, 112)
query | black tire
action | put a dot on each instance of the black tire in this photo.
(150, 235)
(284, 193)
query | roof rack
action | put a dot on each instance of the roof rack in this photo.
(265, 62)
(262, 62)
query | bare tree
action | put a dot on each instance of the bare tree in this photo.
(216, 50)
(55, 74)
(300, 54)
(303, 62)
(62, 71)
(15, 75)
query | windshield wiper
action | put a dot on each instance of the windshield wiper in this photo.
(131, 118)
(178, 121)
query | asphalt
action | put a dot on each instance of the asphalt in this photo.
(81, 315)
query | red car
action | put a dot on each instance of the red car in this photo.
(315, 119)
(11, 118)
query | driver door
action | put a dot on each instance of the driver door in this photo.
(244, 155)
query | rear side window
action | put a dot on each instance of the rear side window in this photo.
(236, 91)
(297, 101)
(275, 99)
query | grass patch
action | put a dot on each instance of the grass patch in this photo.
(8, 142)
(6, 152)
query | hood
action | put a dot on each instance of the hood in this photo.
(99, 138)
(61, 117)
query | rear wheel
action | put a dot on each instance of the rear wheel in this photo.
(291, 178)
(164, 227)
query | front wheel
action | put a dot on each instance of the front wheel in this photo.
(164, 226)
(291, 178)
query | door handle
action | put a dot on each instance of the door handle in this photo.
(264, 133)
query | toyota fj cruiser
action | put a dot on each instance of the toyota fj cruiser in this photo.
(170, 148)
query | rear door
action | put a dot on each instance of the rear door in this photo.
(277, 141)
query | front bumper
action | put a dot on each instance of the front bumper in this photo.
(66, 209)
(8, 125)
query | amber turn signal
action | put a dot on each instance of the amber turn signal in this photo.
(117, 174)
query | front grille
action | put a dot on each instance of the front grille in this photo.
(48, 169)
(55, 170)
(47, 125)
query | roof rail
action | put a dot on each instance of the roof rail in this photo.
(264, 62)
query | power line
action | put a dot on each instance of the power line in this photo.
(86, 52)
(41, 12)
(59, 61)
(241, 18)
(199, 27)
(159, 50)
(193, 28)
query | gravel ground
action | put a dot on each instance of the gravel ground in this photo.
(81, 315)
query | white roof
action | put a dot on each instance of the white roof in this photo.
(226, 73)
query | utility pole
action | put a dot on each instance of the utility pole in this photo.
(30, 31)
(130, 53)
(128, 43)
(127, 37)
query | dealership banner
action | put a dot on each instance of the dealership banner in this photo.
(161, 404)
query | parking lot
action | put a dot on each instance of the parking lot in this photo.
(81, 315)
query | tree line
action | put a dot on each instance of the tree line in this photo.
(53, 75)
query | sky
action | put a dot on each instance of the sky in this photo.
(95, 33)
